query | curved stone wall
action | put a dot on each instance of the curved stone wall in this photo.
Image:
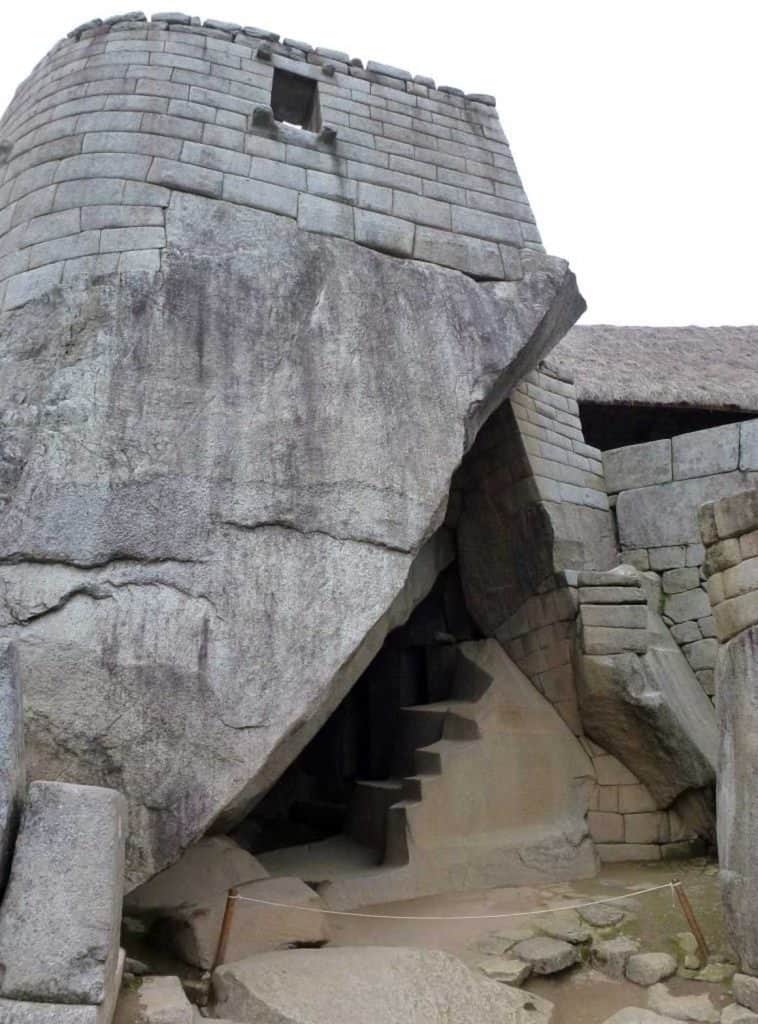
(122, 113)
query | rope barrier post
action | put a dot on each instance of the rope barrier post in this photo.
(226, 927)
(692, 921)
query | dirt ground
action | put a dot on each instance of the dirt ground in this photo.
(581, 995)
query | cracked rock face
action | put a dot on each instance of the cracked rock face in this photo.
(215, 484)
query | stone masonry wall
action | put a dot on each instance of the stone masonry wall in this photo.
(544, 522)
(122, 112)
(658, 488)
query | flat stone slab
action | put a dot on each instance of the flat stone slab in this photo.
(383, 985)
(12, 778)
(508, 971)
(690, 1008)
(567, 927)
(637, 1015)
(61, 915)
(649, 968)
(602, 915)
(547, 956)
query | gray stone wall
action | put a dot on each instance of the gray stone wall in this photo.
(656, 490)
(729, 529)
(121, 114)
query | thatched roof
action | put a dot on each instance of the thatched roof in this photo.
(694, 367)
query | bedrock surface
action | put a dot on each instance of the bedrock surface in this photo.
(216, 482)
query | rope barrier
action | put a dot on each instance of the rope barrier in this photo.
(464, 917)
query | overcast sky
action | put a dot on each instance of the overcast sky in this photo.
(633, 123)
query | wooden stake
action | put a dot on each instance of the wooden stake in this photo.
(692, 921)
(226, 927)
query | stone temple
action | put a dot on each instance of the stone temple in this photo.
(336, 565)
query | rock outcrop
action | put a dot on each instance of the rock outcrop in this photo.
(12, 772)
(380, 984)
(225, 475)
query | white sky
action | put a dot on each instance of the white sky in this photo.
(633, 123)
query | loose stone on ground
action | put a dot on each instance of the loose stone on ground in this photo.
(692, 1008)
(650, 968)
(547, 956)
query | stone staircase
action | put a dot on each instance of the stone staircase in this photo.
(488, 788)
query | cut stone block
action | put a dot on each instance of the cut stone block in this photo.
(637, 1015)
(20, 1012)
(611, 595)
(601, 640)
(736, 1014)
(705, 452)
(666, 514)
(749, 444)
(676, 580)
(61, 915)
(12, 776)
(691, 604)
(186, 901)
(624, 616)
(736, 513)
(668, 557)
(637, 465)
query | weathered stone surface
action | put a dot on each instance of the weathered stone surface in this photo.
(652, 714)
(509, 971)
(185, 903)
(736, 1014)
(12, 775)
(383, 985)
(637, 465)
(565, 926)
(205, 495)
(737, 800)
(637, 1015)
(162, 1000)
(258, 928)
(13, 1011)
(61, 915)
(745, 989)
(666, 514)
(705, 452)
(650, 968)
(603, 915)
(611, 955)
(547, 956)
(692, 1008)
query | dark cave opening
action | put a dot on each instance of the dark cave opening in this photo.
(363, 739)
(614, 426)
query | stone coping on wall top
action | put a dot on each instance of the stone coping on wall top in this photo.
(374, 71)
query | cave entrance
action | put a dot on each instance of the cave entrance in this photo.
(353, 769)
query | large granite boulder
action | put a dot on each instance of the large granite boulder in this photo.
(650, 712)
(61, 915)
(223, 480)
(367, 985)
(737, 793)
(12, 775)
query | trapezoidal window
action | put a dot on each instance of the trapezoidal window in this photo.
(294, 100)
